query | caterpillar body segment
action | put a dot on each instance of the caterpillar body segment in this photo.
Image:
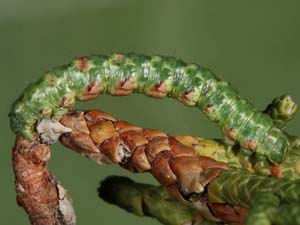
(155, 76)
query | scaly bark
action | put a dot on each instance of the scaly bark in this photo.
(103, 138)
(95, 133)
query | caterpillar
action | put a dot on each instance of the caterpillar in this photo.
(155, 76)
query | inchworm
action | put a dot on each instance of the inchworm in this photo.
(156, 76)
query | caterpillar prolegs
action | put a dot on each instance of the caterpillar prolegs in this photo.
(155, 76)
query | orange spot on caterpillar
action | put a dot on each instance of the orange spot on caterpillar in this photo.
(82, 63)
(125, 87)
(91, 91)
(230, 133)
(188, 97)
(118, 58)
(50, 79)
(276, 171)
(250, 144)
(209, 108)
(158, 90)
(67, 101)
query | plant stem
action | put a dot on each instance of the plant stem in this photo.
(38, 192)
(147, 200)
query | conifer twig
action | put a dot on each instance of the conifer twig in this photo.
(147, 200)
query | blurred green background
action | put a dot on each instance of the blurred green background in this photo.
(253, 44)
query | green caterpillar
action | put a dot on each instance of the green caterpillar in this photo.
(121, 74)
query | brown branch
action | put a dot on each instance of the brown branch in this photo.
(95, 133)
(103, 138)
(38, 192)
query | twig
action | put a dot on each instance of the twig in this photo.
(147, 200)
(38, 192)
